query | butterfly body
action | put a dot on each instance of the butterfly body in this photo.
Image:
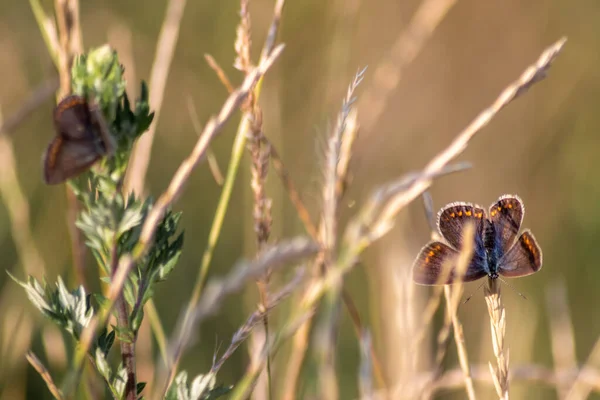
(496, 248)
(82, 139)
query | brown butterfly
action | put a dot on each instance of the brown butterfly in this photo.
(82, 139)
(498, 248)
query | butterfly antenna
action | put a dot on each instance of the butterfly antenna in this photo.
(471, 295)
(513, 288)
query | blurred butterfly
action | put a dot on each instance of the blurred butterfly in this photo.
(82, 139)
(496, 252)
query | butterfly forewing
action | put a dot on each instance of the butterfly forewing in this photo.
(429, 266)
(453, 218)
(506, 215)
(73, 119)
(524, 258)
(65, 159)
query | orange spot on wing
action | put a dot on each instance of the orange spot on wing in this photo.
(460, 213)
(468, 213)
(452, 215)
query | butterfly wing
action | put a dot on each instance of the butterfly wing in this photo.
(435, 256)
(524, 258)
(66, 159)
(73, 120)
(506, 215)
(453, 218)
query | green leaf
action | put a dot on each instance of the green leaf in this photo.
(140, 387)
(105, 341)
(217, 392)
(102, 365)
(202, 384)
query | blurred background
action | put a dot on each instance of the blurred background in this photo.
(433, 66)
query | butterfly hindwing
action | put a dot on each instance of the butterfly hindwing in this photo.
(65, 159)
(524, 258)
(506, 215)
(73, 119)
(453, 218)
(428, 268)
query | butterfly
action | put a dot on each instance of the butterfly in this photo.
(82, 139)
(497, 250)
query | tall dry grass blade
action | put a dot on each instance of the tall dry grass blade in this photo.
(530, 373)
(212, 63)
(497, 314)
(453, 300)
(325, 342)
(562, 336)
(257, 317)
(163, 56)
(34, 100)
(69, 42)
(17, 207)
(580, 389)
(291, 190)
(39, 367)
(365, 371)
(213, 165)
(410, 42)
(530, 76)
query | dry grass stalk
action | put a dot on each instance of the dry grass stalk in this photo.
(452, 301)
(335, 173)
(255, 318)
(211, 129)
(291, 190)
(365, 372)
(497, 314)
(325, 338)
(405, 49)
(435, 298)
(580, 389)
(39, 367)
(561, 333)
(259, 155)
(35, 100)
(165, 49)
(212, 63)
(530, 76)
(429, 383)
(213, 165)
(68, 32)
(17, 207)
(337, 161)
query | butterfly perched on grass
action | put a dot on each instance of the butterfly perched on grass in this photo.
(82, 139)
(497, 249)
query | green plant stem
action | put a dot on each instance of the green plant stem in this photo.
(157, 327)
(215, 231)
(41, 19)
(127, 344)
